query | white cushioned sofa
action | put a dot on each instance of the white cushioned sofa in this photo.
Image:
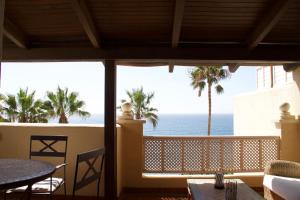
(282, 180)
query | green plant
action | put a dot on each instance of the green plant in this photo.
(63, 104)
(23, 108)
(141, 105)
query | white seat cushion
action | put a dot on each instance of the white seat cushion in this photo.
(286, 187)
(42, 186)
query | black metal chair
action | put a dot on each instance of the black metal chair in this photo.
(92, 159)
(43, 146)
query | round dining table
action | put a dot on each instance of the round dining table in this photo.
(17, 172)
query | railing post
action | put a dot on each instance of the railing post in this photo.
(207, 156)
(260, 154)
(163, 155)
(289, 140)
(242, 155)
(278, 148)
(222, 154)
(203, 156)
(182, 154)
(143, 154)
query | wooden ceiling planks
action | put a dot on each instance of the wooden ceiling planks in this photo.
(288, 27)
(269, 19)
(148, 23)
(177, 22)
(14, 34)
(86, 21)
(219, 20)
(134, 20)
(44, 20)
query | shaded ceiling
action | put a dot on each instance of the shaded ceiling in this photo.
(246, 25)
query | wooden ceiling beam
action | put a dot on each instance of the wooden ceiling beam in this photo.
(171, 67)
(14, 34)
(178, 17)
(177, 22)
(261, 54)
(81, 10)
(288, 67)
(233, 67)
(267, 22)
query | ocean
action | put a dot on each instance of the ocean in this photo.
(177, 124)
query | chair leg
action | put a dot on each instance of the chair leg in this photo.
(65, 190)
(29, 191)
(50, 195)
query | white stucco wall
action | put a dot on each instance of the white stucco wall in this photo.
(256, 113)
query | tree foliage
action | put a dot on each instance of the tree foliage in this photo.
(141, 105)
(23, 107)
(63, 104)
(208, 76)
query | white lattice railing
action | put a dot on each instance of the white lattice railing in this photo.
(208, 154)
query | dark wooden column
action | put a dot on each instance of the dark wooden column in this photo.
(2, 5)
(110, 131)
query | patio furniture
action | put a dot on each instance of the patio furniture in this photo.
(203, 189)
(17, 173)
(43, 146)
(282, 180)
(94, 159)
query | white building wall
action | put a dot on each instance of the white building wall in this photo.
(256, 113)
(267, 77)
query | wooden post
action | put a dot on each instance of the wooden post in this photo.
(2, 7)
(110, 131)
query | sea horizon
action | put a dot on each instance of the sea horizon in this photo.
(175, 124)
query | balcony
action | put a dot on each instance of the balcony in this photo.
(157, 167)
(207, 155)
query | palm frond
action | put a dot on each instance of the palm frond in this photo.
(141, 104)
(63, 104)
(219, 89)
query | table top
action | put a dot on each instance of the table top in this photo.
(203, 189)
(17, 172)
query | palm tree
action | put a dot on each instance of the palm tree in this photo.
(141, 105)
(63, 104)
(23, 108)
(208, 75)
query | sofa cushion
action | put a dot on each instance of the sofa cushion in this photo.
(286, 187)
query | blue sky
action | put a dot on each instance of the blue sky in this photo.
(173, 93)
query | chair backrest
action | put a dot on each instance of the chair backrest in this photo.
(93, 172)
(46, 148)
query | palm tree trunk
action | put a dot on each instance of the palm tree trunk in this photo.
(209, 110)
(138, 115)
(63, 119)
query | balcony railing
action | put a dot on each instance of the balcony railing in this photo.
(205, 155)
